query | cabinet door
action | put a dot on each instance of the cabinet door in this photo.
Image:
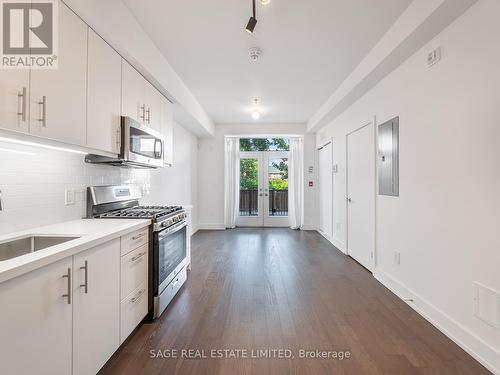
(133, 93)
(167, 129)
(103, 95)
(35, 322)
(96, 310)
(58, 97)
(153, 107)
(14, 99)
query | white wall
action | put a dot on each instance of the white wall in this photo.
(445, 222)
(33, 182)
(211, 170)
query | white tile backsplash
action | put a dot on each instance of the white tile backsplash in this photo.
(33, 182)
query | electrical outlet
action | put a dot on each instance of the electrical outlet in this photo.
(397, 257)
(69, 197)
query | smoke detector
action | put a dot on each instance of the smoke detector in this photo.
(255, 53)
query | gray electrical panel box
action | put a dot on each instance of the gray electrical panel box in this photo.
(388, 158)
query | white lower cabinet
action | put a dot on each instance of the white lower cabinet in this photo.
(70, 317)
(133, 309)
(96, 299)
(36, 322)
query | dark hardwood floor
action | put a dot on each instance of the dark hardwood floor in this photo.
(283, 289)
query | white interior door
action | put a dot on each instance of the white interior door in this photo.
(326, 190)
(361, 195)
(263, 189)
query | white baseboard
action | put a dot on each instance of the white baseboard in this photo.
(211, 227)
(195, 229)
(339, 245)
(484, 353)
(308, 227)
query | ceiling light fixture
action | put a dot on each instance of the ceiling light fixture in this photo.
(252, 22)
(255, 112)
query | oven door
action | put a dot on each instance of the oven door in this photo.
(141, 144)
(171, 245)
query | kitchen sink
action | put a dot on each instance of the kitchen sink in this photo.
(29, 244)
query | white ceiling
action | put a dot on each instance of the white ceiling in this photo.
(308, 49)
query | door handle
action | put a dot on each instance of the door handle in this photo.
(22, 96)
(43, 114)
(68, 294)
(85, 285)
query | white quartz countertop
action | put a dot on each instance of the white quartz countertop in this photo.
(91, 233)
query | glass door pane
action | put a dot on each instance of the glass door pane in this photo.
(249, 187)
(277, 173)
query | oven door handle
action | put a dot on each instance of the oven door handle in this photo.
(168, 231)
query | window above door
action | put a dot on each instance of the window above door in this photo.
(264, 144)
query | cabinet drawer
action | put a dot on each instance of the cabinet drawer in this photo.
(134, 270)
(168, 294)
(134, 240)
(133, 309)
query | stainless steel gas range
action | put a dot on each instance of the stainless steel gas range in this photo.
(168, 247)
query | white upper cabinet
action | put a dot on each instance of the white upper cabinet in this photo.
(153, 107)
(58, 97)
(167, 129)
(103, 95)
(36, 318)
(133, 93)
(14, 99)
(96, 307)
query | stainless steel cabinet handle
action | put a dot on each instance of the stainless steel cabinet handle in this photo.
(22, 97)
(143, 109)
(260, 195)
(148, 111)
(43, 115)
(266, 195)
(85, 285)
(134, 299)
(68, 295)
(139, 256)
(138, 236)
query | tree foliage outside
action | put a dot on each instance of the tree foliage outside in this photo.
(249, 179)
(264, 144)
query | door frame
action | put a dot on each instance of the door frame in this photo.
(263, 219)
(329, 142)
(373, 257)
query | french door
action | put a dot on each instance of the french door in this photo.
(263, 189)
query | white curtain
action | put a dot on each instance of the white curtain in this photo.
(231, 180)
(296, 182)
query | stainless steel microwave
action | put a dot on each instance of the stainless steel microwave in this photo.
(141, 145)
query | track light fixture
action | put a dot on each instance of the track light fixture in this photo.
(252, 22)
